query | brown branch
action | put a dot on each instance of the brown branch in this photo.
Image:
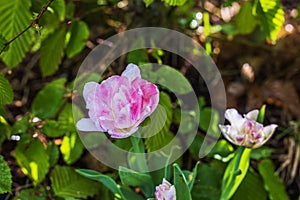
(34, 23)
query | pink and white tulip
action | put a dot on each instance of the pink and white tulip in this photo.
(119, 104)
(246, 131)
(165, 191)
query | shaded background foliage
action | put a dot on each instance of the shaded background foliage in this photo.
(255, 44)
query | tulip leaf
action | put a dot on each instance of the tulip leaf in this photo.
(107, 181)
(181, 185)
(5, 175)
(234, 176)
(261, 114)
(272, 183)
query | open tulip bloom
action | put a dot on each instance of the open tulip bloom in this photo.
(165, 191)
(246, 131)
(119, 104)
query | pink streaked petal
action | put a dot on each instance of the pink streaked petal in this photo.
(123, 119)
(89, 92)
(132, 72)
(86, 124)
(121, 133)
(252, 115)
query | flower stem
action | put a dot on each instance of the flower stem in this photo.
(237, 163)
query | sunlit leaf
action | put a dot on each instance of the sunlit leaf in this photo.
(6, 92)
(5, 177)
(181, 185)
(15, 17)
(245, 20)
(67, 183)
(79, 34)
(32, 158)
(175, 2)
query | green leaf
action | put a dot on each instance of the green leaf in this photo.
(5, 130)
(167, 77)
(31, 194)
(22, 125)
(67, 183)
(148, 2)
(52, 129)
(15, 17)
(261, 114)
(272, 183)
(71, 148)
(180, 183)
(175, 2)
(261, 152)
(252, 185)
(137, 56)
(48, 101)
(209, 117)
(132, 178)
(160, 123)
(192, 177)
(52, 51)
(245, 20)
(58, 7)
(271, 16)
(232, 178)
(208, 181)
(53, 153)
(2, 42)
(107, 181)
(79, 34)
(5, 177)
(32, 158)
(6, 92)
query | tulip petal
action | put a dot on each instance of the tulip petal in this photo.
(86, 124)
(131, 72)
(252, 115)
(235, 119)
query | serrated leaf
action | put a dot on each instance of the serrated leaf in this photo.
(107, 181)
(175, 2)
(33, 159)
(181, 186)
(6, 92)
(48, 101)
(245, 20)
(160, 123)
(15, 17)
(271, 16)
(5, 177)
(79, 35)
(272, 183)
(66, 183)
(52, 51)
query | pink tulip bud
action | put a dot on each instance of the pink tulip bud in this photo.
(165, 191)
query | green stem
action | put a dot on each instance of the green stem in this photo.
(237, 163)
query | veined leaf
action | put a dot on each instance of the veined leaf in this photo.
(48, 101)
(272, 183)
(175, 2)
(15, 17)
(67, 183)
(32, 158)
(52, 51)
(79, 34)
(2, 42)
(181, 185)
(5, 177)
(271, 16)
(6, 92)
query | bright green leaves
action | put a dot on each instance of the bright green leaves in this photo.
(169, 2)
(5, 130)
(2, 42)
(52, 51)
(272, 182)
(66, 183)
(271, 16)
(33, 159)
(79, 34)
(6, 92)
(235, 172)
(48, 101)
(245, 20)
(5, 177)
(15, 17)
